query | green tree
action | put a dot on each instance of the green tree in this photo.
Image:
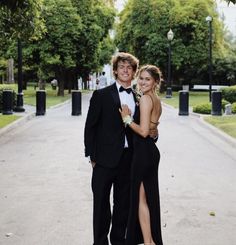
(76, 41)
(97, 20)
(57, 49)
(19, 21)
(143, 31)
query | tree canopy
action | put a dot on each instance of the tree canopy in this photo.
(143, 31)
(74, 40)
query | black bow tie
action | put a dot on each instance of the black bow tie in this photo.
(127, 90)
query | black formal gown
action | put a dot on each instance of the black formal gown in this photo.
(144, 170)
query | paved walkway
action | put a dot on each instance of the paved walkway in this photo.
(45, 195)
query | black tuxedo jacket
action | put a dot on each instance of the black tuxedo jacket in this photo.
(104, 134)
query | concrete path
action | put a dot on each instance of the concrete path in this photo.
(45, 195)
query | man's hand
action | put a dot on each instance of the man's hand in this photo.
(153, 133)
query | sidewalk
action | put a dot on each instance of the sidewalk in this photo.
(45, 194)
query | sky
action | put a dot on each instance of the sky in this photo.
(229, 12)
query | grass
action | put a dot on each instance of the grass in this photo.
(51, 97)
(225, 123)
(194, 98)
(30, 95)
(7, 119)
(30, 99)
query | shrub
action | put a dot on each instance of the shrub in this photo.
(203, 108)
(229, 94)
(234, 107)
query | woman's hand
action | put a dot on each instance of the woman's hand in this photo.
(125, 111)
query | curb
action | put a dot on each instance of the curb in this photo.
(230, 140)
(26, 118)
(16, 123)
(222, 135)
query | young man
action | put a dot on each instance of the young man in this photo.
(108, 143)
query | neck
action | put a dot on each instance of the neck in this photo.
(124, 84)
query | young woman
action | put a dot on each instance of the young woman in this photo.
(144, 217)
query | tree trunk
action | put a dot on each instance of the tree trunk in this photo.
(10, 71)
(60, 75)
(41, 84)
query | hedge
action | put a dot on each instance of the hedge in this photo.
(229, 93)
(234, 108)
(203, 108)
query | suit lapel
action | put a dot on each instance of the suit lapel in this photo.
(115, 95)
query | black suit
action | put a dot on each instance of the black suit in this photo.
(104, 143)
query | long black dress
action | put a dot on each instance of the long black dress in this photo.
(144, 170)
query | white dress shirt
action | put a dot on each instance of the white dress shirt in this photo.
(126, 99)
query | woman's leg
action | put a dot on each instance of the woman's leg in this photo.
(144, 217)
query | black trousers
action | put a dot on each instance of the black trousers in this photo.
(102, 181)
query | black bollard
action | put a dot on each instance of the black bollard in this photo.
(40, 102)
(183, 103)
(76, 103)
(169, 92)
(7, 102)
(216, 107)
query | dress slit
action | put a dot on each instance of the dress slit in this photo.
(144, 170)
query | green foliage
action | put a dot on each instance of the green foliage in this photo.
(204, 108)
(72, 37)
(229, 94)
(97, 20)
(58, 47)
(234, 108)
(143, 31)
(21, 19)
(106, 49)
(224, 72)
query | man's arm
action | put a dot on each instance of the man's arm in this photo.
(91, 126)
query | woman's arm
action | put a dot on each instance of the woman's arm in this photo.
(145, 106)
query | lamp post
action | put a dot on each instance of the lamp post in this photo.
(170, 36)
(209, 21)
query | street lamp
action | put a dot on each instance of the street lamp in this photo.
(170, 36)
(209, 21)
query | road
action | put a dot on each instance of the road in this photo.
(45, 195)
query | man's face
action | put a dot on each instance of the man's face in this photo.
(125, 73)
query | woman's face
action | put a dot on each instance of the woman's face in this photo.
(146, 82)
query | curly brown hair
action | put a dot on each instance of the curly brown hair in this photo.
(132, 60)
